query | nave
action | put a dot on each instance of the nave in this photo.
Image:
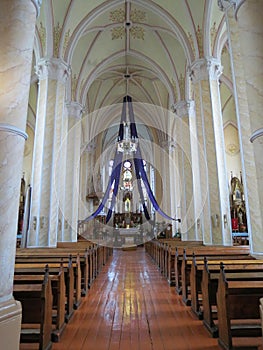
(131, 306)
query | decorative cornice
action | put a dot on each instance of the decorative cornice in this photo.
(37, 4)
(13, 130)
(204, 69)
(75, 109)
(53, 68)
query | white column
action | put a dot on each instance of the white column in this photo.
(17, 28)
(47, 174)
(84, 160)
(182, 110)
(214, 189)
(245, 30)
(72, 190)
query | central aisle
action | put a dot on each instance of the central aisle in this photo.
(131, 306)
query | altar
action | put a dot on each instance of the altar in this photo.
(129, 236)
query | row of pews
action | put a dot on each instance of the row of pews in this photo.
(222, 285)
(50, 284)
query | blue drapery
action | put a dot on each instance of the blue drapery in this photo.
(139, 171)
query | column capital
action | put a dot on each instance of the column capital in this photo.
(183, 108)
(37, 4)
(74, 109)
(168, 145)
(53, 68)
(208, 68)
(224, 5)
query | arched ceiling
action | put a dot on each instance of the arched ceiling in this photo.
(140, 46)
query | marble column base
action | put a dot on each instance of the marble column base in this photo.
(10, 324)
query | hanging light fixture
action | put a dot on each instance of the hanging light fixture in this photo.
(129, 144)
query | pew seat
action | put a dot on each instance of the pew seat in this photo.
(36, 300)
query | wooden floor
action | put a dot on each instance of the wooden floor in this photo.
(131, 306)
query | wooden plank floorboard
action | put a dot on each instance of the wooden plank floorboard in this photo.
(130, 306)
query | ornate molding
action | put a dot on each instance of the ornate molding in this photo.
(53, 68)
(13, 130)
(204, 69)
(37, 4)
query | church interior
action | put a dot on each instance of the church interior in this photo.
(131, 136)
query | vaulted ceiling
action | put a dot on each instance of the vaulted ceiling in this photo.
(140, 47)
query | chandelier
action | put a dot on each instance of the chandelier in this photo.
(128, 144)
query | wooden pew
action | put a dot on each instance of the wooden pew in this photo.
(261, 312)
(163, 252)
(36, 301)
(197, 268)
(53, 255)
(234, 270)
(238, 312)
(59, 297)
(185, 255)
(72, 283)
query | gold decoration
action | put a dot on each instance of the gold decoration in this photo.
(74, 85)
(182, 86)
(190, 38)
(117, 16)
(224, 50)
(138, 16)
(57, 34)
(232, 149)
(213, 32)
(42, 36)
(199, 37)
(175, 89)
(66, 40)
(137, 32)
(117, 33)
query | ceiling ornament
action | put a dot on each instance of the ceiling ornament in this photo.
(175, 89)
(42, 36)
(138, 16)
(199, 37)
(66, 41)
(117, 33)
(74, 85)
(119, 16)
(232, 149)
(190, 38)
(182, 86)
(56, 35)
(213, 32)
(137, 32)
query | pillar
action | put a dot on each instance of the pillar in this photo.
(46, 176)
(72, 190)
(183, 109)
(215, 217)
(17, 28)
(245, 29)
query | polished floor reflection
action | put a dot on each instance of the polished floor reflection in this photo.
(131, 306)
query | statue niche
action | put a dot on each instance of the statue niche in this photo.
(237, 205)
